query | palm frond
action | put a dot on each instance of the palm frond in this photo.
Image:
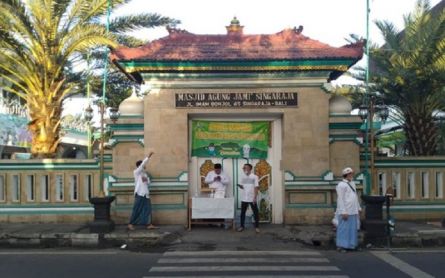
(124, 24)
(129, 41)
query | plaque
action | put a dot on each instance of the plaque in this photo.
(234, 100)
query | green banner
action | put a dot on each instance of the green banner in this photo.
(230, 139)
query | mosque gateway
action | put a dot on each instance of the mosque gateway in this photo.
(228, 99)
(232, 99)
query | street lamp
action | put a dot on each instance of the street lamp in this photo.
(88, 115)
(374, 225)
(102, 221)
(366, 113)
(440, 116)
(114, 114)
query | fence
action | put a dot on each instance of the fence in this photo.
(417, 184)
(47, 190)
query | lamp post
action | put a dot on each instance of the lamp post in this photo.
(374, 225)
(366, 113)
(102, 221)
(88, 117)
(440, 116)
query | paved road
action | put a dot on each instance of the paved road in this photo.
(287, 263)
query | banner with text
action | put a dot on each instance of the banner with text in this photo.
(230, 139)
(236, 100)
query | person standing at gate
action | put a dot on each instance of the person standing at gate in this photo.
(250, 185)
(141, 214)
(217, 181)
(348, 209)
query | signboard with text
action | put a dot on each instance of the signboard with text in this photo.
(230, 139)
(233, 100)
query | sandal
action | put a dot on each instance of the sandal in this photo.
(152, 227)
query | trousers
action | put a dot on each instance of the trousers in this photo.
(255, 212)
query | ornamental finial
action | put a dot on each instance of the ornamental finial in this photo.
(234, 27)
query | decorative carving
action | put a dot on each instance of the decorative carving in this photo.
(298, 30)
(263, 171)
(205, 168)
(172, 30)
(234, 27)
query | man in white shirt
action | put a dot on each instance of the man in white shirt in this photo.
(141, 214)
(218, 181)
(250, 185)
(348, 209)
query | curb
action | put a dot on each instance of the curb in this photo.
(326, 239)
(140, 240)
(80, 240)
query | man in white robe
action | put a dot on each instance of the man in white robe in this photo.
(217, 181)
(348, 212)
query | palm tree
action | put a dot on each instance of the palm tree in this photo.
(38, 39)
(410, 73)
(119, 86)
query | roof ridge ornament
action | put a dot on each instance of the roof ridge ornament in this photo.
(234, 28)
(292, 30)
(298, 30)
(358, 44)
(173, 30)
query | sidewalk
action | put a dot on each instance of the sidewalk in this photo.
(407, 234)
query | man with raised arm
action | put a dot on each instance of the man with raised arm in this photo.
(141, 214)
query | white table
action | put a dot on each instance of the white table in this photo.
(201, 208)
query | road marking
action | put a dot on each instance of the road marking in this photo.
(256, 276)
(241, 253)
(242, 268)
(241, 260)
(58, 253)
(401, 265)
(417, 251)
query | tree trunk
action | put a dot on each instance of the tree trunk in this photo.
(45, 127)
(421, 133)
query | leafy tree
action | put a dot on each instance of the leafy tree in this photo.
(40, 41)
(119, 87)
(354, 94)
(410, 73)
(391, 140)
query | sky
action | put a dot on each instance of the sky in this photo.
(329, 21)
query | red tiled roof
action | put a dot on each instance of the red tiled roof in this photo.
(288, 44)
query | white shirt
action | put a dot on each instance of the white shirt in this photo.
(249, 183)
(347, 199)
(219, 186)
(141, 180)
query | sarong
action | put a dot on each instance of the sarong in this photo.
(347, 232)
(141, 211)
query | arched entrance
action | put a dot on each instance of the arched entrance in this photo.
(270, 197)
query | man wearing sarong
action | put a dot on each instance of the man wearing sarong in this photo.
(348, 209)
(141, 214)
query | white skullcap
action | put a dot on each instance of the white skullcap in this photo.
(347, 170)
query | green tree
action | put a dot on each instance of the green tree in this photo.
(354, 94)
(38, 39)
(410, 73)
(119, 87)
